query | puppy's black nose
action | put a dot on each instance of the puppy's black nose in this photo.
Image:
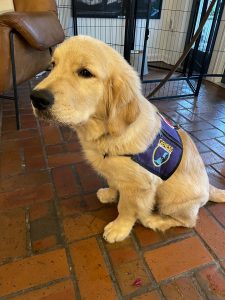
(42, 99)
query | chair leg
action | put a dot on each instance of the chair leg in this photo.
(14, 80)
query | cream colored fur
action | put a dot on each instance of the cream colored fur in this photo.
(111, 116)
(6, 6)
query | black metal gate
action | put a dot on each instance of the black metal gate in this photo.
(130, 26)
(102, 21)
(122, 24)
(187, 80)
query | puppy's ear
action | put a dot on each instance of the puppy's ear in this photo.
(122, 104)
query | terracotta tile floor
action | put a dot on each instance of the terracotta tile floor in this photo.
(51, 223)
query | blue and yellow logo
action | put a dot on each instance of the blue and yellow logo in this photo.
(161, 153)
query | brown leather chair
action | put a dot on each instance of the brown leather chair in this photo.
(26, 38)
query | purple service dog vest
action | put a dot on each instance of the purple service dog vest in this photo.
(163, 156)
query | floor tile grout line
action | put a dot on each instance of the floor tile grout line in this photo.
(222, 266)
(162, 296)
(35, 288)
(141, 290)
(196, 281)
(192, 135)
(82, 193)
(60, 224)
(109, 266)
(198, 287)
(61, 136)
(144, 290)
(179, 114)
(172, 240)
(186, 274)
(68, 254)
(152, 280)
(24, 257)
(84, 238)
(217, 171)
(200, 118)
(14, 139)
(217, 139)
(67, 248)
(141, 255)
(200, 140)
(10, 260)
(66, 141)
(77, 180)
(212, 150)
(212, 253)
(214, 217)
(29, 172)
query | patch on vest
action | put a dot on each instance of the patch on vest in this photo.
(164, 155)
(161, 153)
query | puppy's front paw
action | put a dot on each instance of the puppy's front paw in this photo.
(107, 195)
(116, 231)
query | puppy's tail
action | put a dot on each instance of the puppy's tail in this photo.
(215, 194)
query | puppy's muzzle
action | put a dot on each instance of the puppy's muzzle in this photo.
(42, 99)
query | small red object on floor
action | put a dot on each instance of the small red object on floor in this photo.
(137, 282)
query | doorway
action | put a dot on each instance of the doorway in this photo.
(200, 55)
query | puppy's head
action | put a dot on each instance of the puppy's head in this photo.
(88, 80)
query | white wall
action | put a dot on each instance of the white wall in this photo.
(65, 16)
(167, 35)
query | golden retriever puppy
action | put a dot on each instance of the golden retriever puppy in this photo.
(93, 90)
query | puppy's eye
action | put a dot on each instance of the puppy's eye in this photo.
(85, 73)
